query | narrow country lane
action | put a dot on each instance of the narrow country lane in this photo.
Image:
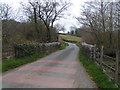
(58, 70)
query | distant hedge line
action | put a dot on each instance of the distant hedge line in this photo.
(22, 50)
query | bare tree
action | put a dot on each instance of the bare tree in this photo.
(5, 11)
(48, 11)
(59, 27)
(91, 18)
(100, 17)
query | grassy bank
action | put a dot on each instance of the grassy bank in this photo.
(14, 63)
(97, 74)
(63, 45)
(70, 37)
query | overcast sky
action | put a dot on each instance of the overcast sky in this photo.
(69, 20)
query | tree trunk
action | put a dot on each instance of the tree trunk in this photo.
(48, 34)
(101, 56)
(103, 18)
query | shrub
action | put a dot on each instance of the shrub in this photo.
(22, 50)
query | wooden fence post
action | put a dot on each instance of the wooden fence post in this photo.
(116, 66)
(101, 56)
(94, 52)
(91, 53)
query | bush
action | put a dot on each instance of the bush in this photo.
(22, 50)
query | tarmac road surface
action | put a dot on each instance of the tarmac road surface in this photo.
(61, 69)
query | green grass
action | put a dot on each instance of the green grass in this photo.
(13, 63)
(0, 67)
(70, 37)
(97, 74)
(63, 46)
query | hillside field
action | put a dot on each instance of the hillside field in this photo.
(70, 37)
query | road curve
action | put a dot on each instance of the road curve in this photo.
(58, 70)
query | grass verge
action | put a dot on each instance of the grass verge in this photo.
(97, 74)
(63, 46)
(13, 63)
